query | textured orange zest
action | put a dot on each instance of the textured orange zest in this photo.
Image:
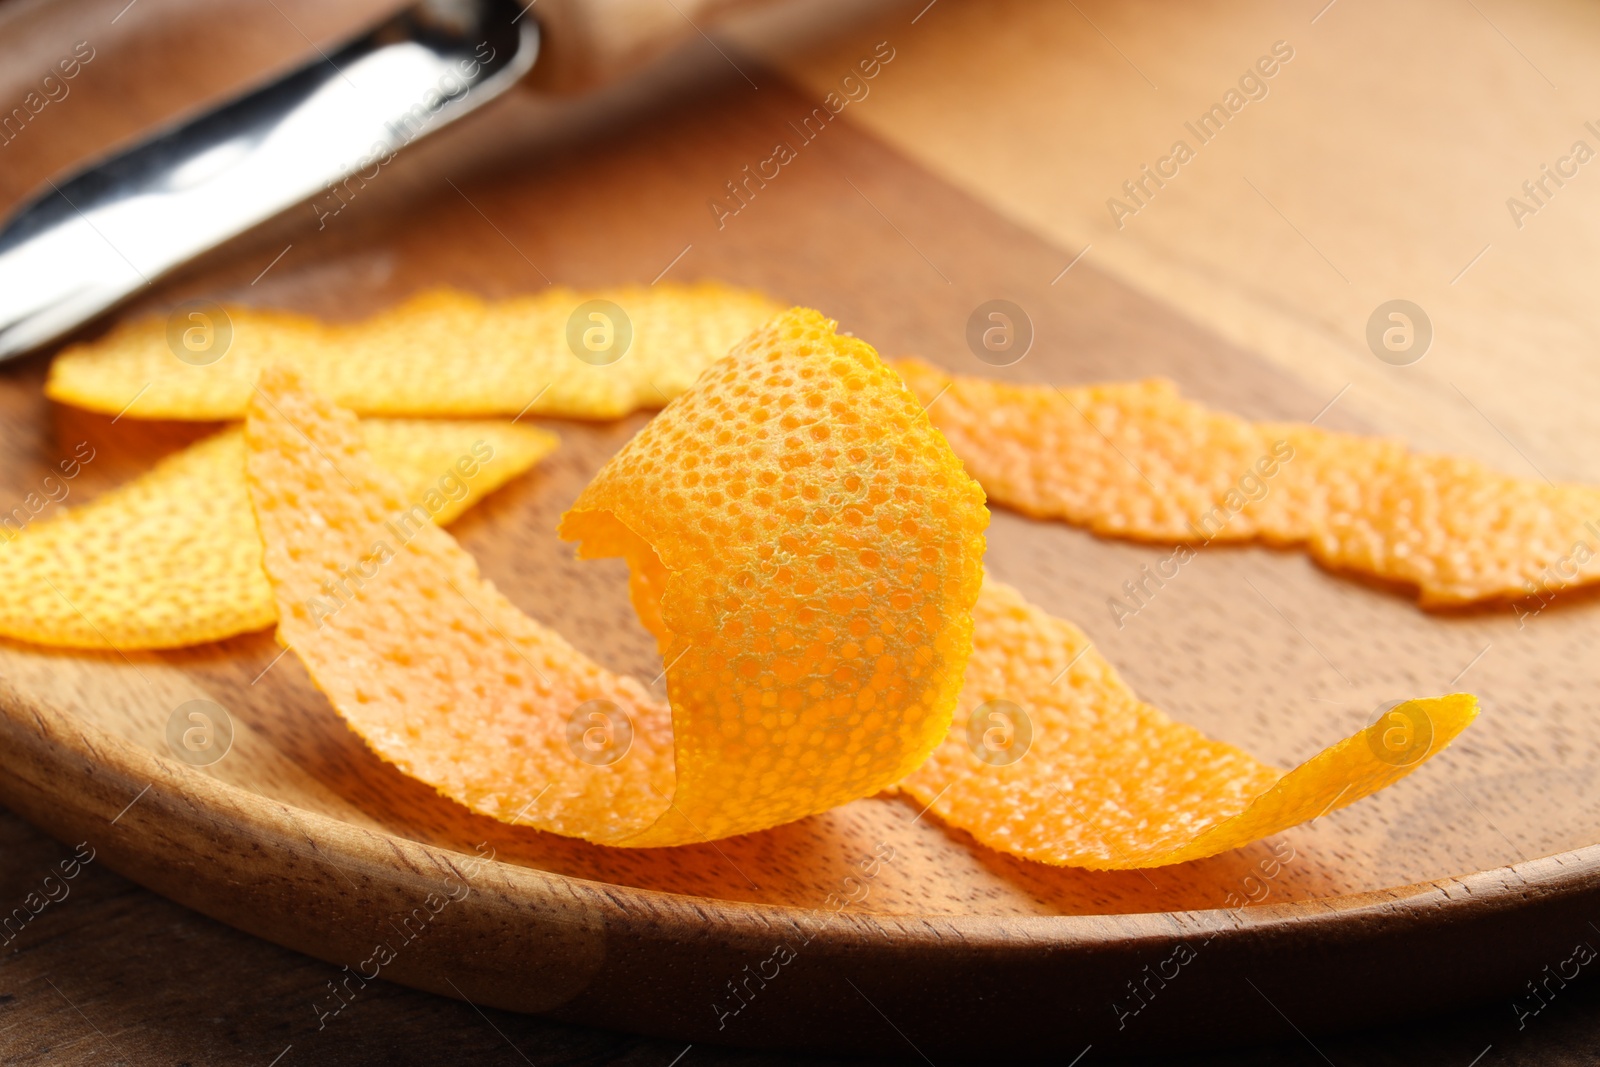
(427, 661)
(1109, 782)
(803, 544)
(806, 550)
(440, 353)
(1136, 460)
(173, 558)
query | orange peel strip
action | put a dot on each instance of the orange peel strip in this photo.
(440, 353)
(1052, 757)
(804, 545)
(1136, 460)
(173, 558)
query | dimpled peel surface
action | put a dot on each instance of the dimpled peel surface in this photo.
(431, 665)
(442, 352)
(1136, 460)
(809, 566)
(807, 550)
(173, 558)
(1105, 781)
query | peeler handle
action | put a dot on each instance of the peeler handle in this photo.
(591, 42)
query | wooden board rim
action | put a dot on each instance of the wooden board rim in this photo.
(76, 780)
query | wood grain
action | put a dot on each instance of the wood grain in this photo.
(301, 836)
(114, 972)
(1377, 166)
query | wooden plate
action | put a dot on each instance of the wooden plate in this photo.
(301, 836)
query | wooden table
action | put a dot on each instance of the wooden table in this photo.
(1376, 166)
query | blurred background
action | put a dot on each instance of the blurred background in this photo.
(1377, 166)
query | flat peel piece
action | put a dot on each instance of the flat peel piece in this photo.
(1052, 757)
(173, 558)
(1136, 460)
(442, 352)
(804, 544)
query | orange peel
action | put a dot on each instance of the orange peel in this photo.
(1052, 757)
(803, 544)
(806, 550)
(442, 352)
(173, 558)
(1136, 460)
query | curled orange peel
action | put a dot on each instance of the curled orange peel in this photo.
(1136, 460)
(804, 546)
(807, 551)
(1052, 757)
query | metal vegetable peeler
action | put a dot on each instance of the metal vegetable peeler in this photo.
(88, 241)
